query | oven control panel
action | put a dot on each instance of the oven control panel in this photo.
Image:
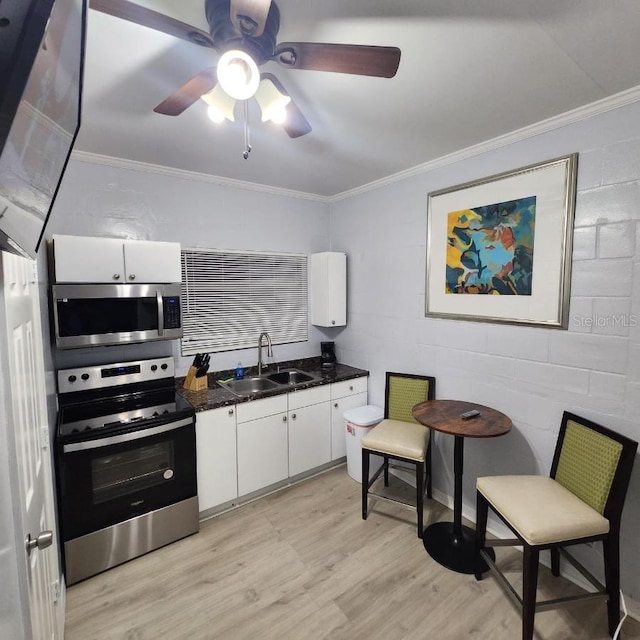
(111, 375)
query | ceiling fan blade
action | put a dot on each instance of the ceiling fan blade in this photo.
(363, 60)
(152, 19)
(250, 16)
(188, 93)
(296, 124)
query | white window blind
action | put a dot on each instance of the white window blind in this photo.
(230, 297)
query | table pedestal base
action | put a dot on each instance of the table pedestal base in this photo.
(456, 551)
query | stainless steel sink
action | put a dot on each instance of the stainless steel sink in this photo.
(256, 384)
(247, 386)
(290, 377)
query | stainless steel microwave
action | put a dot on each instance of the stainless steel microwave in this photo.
(86, 315)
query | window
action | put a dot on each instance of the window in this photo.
(230, 297)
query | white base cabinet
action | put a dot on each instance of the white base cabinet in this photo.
(309, 429)
(244, 448)
(262, 444)
(216, 456)
(344, 395)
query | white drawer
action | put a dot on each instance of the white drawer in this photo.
(255, 409)
(348, 387)
(307, 397)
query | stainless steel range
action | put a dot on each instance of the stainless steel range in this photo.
(126, 464)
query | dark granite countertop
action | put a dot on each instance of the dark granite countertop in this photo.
(216, 396)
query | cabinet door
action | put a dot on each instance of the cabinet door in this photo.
(338, 407)
(309, 437)
(262, 453)
(152, 261)
(216, 451)
(80, 259)
(328, 298)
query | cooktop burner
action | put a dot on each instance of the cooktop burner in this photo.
(117, 396)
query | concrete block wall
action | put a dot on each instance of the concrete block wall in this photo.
(101, 200)
(532, 374)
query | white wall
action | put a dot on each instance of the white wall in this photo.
(531, 374)
(120, 202)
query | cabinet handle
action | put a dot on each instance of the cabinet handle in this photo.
(336, 405)
(333, 322)
(284, 418)
(230, 412)
(293, 416)
(132, 276)
(116, 276)
(351, 388)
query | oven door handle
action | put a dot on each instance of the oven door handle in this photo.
(126, 437)
(159, 302)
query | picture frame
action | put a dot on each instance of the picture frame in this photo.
(499, 248)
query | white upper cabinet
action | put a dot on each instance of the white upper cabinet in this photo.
(328, 283)
(152, 261)
(84, 259)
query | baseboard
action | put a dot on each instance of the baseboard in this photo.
(633, 607)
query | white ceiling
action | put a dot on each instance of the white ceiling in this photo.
(471, 70)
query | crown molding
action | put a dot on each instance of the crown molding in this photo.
(133, 165)
(610, 103)
(556, 122)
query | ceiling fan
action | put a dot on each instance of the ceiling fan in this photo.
(243, 33)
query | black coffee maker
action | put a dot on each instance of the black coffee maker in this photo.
(328, 355)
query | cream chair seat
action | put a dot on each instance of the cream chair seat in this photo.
(397, 438)
(541, 510)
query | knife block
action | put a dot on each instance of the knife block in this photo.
(194, 384)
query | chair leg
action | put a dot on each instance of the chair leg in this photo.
(482, 510)
(365, 482)
(420, 494)
(386, 471)
(611, 546)
(555, 562)
(529, 585)
(428, 470)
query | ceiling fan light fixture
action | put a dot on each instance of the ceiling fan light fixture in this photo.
(273, 103)
(238, 74)
(220, 105)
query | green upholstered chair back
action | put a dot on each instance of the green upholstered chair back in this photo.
(404, 391)
(588, 462)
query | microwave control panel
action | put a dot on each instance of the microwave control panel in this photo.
(171, 310)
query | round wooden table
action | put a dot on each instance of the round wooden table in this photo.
(450, 543)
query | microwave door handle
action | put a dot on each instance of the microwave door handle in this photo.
(160, 313)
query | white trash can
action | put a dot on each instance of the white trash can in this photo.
(358, 421)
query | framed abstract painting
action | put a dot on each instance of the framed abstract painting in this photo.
(499, 248)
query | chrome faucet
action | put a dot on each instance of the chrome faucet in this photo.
(264, 334)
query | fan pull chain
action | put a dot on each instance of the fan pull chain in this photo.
(247, 132)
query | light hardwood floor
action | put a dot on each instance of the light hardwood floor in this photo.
(302, 564)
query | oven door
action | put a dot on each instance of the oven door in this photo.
(105, 314)
(112, 479)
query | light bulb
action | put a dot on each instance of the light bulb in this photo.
(215, 115)
(238, 74)
(278, 115)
